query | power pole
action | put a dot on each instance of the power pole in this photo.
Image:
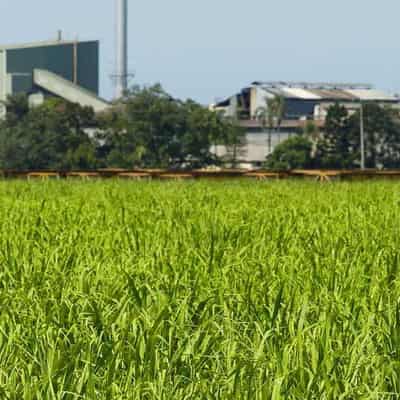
(362, 136)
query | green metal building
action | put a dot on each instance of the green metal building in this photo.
(67, 69)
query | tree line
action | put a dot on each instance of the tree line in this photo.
(150, 129)
(146, 129)
(338, 145)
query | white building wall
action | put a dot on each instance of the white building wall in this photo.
(256, 147)
(258, 99)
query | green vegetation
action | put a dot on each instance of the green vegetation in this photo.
(382, 137)
(292, 153)
(337, 146)
(271, 115)
(148, 128)
(199, 290)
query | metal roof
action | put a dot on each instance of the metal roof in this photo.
(312, 85)
(300, 94)
(333, 94)
(373, 94)
(347, 93)
(42, 44)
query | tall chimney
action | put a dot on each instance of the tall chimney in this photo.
(122, 48)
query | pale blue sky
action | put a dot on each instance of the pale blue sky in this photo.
(210, 48)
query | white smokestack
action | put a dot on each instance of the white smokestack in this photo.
(122, 48)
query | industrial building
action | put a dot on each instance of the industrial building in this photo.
(303, 102)
(66, 69)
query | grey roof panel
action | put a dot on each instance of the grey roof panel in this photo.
(372, 95)
(42, 44)
(67, 90)
(333, 94)
(304, 94)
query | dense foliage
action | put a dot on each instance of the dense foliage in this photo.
(338, 144)
(236, 290)
(51, 136)
(292, 153)
(150, 129)
(154, 130)
(147, 129)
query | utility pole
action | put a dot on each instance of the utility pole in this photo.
(362, 137)
(75, 72)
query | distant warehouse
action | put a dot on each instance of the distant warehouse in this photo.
(302, 102)
(66, 69)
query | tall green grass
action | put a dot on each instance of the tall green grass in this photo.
(229, 290)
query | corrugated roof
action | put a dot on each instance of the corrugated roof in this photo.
(274, 91)
(333, 94)
(292, 93)
(371, 94)
(312, 85)
(300, 93)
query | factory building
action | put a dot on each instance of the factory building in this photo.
(302, 102)
(66, 69)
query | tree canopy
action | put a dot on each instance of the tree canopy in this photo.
(51, 136)
(337, 146)
(148, 129)
(151, 129)
(292, 153)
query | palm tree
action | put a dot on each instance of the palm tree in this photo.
(311, 131)
(276, 106)
(263, 117)
(270, 116)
